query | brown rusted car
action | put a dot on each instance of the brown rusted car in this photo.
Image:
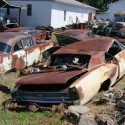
(19, 50)
(68, 37)
(121, 36)
(37, 36)
(73, 35)
(73, 74)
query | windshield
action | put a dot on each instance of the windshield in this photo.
(5, 47)
(71, 59)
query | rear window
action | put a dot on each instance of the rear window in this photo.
(65, 40)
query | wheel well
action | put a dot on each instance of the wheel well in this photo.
(105, 85)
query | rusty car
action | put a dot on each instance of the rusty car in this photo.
(19, 50)
(74, 74)
(121, 36)
(73, 35)
(68, 37)
(38, 36)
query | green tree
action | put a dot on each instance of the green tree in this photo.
(99, 4)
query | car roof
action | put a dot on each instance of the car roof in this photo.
(18, 29)
(89, 46)
(77, 33)
(10, 37)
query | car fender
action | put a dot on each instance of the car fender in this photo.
(89, 84)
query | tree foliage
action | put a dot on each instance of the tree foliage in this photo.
(100, 4)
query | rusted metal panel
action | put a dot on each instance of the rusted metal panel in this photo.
(121, 58)
(5, 63)
(59, 77)
(10, 37)
(76, 33)
(38, 36)
(21, 58)
(96, 44)
(89, 85)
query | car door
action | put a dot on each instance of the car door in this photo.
(118, 51)
(19, 56)
(121, 60)
(32, 51)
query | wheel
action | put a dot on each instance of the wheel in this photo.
(9, 105)
(32, 107)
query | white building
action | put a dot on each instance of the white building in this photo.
(55, 13)
(115, 7)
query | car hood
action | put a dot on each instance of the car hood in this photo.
(57, 77)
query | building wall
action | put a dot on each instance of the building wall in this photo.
(74, 14)
(48, 13)
(114, 7)
(41, 13)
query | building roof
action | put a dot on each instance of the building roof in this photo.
(71, 2)
(5, 4)
(76, 3)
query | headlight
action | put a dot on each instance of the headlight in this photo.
(14, 89)
(73, 93)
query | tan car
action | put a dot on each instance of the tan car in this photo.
(19, 50)
(74, 74)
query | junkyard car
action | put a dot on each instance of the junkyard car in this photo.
(100, 28)
(116, 27)
(18, 51)
(74, 74)
(68, 37)
(73, 35)
(37, 36)
(120, 36)
(11, 25)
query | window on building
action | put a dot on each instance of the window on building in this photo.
(8, 11)
(29, 9)
(64, 15)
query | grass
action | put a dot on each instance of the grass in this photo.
(29, 118)
(23, 117)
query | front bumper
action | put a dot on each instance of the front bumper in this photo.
(23, 98)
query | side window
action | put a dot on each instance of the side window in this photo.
(114, 49)
(28, 42)
(18, 46)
